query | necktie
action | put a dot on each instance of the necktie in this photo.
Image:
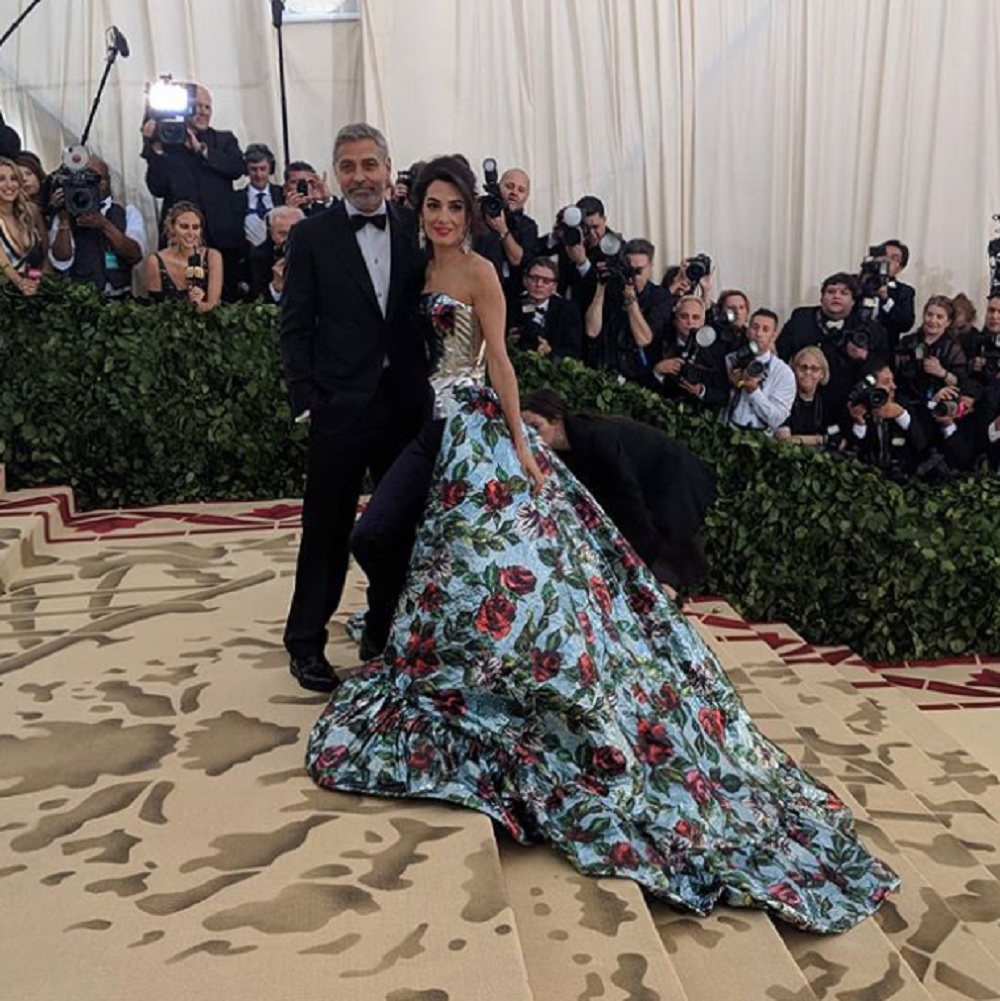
(261, 206)
(358, 222)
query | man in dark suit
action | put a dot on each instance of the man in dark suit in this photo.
(543, 321)
(202, 171)
(356, 371)
(253, 203)
(266, 263)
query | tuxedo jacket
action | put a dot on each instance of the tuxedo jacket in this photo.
(336, 346)
(260, 261)
(178, 174)
(897, 312)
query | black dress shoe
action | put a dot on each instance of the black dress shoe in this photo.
(313, 671)
(368, 649)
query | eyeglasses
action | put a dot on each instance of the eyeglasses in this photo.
(809, 368)
(542, 279)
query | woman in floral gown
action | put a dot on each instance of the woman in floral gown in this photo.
(534, 671)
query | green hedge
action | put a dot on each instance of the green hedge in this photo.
(133, 405)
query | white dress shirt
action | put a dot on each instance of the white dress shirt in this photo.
(769, 405)
(375, 245)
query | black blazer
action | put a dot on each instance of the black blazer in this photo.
(562, 327)
(178, 174)
(334, 339)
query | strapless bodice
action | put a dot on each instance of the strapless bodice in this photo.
(455, 344)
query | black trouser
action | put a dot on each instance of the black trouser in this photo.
(382, 540)
(340, 451)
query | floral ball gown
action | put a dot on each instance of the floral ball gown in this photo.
(535, 672)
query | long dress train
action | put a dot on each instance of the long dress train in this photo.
(535, 672)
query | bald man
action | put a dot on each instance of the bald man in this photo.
(511, 237)
(202, 171)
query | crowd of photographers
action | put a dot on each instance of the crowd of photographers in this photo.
(858, 374)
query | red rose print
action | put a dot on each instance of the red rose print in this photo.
(498, 495)
(609, 760)
(785, 893)
(639, 694)
(623, 854)
(713, 722)
(549, 528)
(495, 616)
(685, 829)
(698, 786)
(419, 658)
(642, 600)
(526, 755)
(653, 744)
(449, 701)
(588, 630)
(666, 699)
(628, 554)
(330, 757)
(587, 513)
(486, 406)
(591, 785)
(421, 758)
(431, 599)
(601, 593)
(453, 492)
(544, 665)
(588, 670)
(833, 803)
(386, 719)
(520, 580)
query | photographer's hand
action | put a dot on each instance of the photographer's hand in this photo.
(694, 388)
(854, 352)
(278, 275)
(92, 220)
(933, 366)
(750, 383)
(889, 411)
(544, 348)
(668, 366)
(858, 414)
(319, 189)
(681, 285)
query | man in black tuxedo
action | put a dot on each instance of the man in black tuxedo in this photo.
(266, 263)
(543, 321)
(202, 171)
(356, 370)
(896, 300)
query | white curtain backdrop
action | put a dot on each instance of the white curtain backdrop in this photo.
(780, 136)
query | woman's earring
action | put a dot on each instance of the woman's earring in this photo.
(421, 235)
(467, 241)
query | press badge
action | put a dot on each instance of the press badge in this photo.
(111, 262)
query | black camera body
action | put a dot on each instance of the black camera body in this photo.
(170, 105)
(993, 253)
(989, 351)
(858, 337)
(873, 273)
(81, 186)
(745, 360)
(697, 267)
(868, 394)
(491, 204)
(568, 229)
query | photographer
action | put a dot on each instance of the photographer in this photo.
(930, 358)
(578, 250)
(729, 317)
(511, 236)
(885, 432)
(952, 435)
(305, 189)
(693, 276)
(983, 353)
(542, 320)
(687, 369)
(896, 300)
(200, 171)
(763, 386)
(99, 248)
(267, 262)
(628, 315)
(848, 340)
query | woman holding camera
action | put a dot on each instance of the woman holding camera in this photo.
(23, 244)
(185, 268)
(931, 358)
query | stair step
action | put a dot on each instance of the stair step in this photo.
(584, 937)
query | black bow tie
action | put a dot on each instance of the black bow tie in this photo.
(358, 221)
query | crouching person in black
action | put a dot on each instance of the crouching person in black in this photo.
(629, 313)
(951, 435)
(652, 488)
(887, 433)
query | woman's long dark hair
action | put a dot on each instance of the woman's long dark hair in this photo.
(454, 170)
(546, 403)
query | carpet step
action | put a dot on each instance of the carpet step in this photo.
(584, 937)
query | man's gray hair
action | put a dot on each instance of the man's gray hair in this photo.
(357, 132)
(280, 212)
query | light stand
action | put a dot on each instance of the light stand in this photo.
(117, 46)
(277, 19)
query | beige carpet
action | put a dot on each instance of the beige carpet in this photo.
(159, 838)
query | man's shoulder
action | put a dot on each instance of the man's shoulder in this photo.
(319, 226)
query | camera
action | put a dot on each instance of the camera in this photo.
(868, 394)
(690, 370)
(302, 187)
(873, 273)
(170, 105)
(532, 326)
(616, 269)
(81, 186)
(859, 338)
(568, 229)
(745, 360)
(993, 253)
(492, 203)
(697, 267)
(949, 408)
